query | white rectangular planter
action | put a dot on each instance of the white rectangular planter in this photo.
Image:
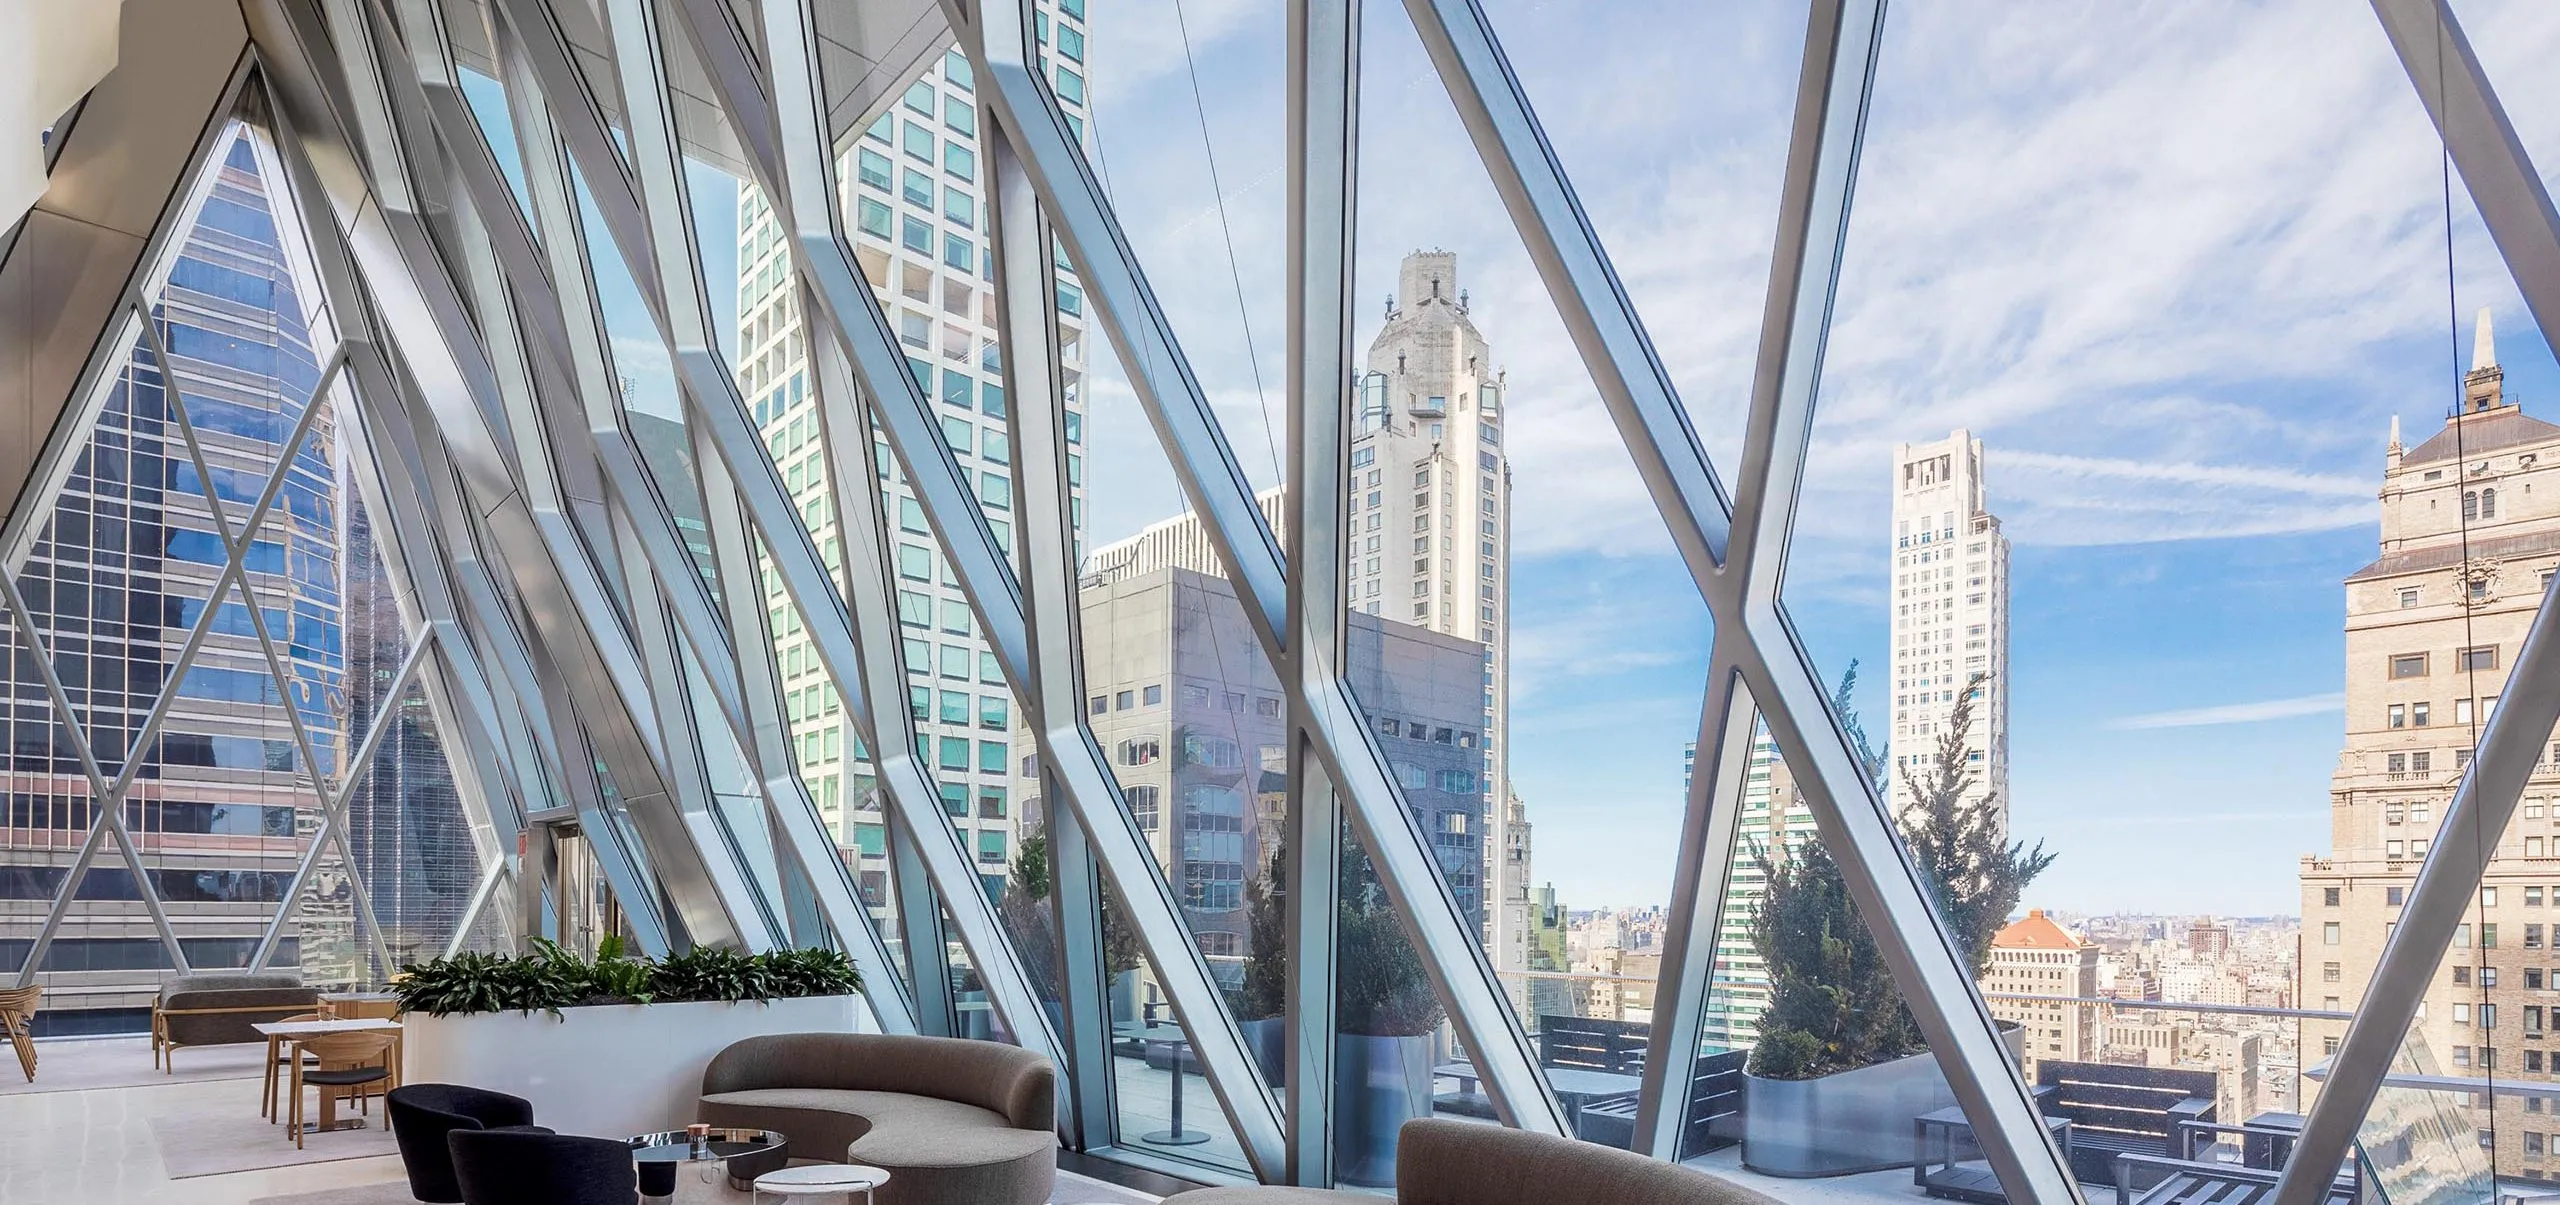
(607, 1070)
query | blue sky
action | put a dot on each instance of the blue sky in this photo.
(2178, 265)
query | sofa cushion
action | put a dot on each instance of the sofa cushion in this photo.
(1459, 1163)
(219, 980)
(1011, 1082)
(1272, 1196)
(899, 1130)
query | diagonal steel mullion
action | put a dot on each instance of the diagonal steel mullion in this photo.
(1560, 240)
(528, 667)
(712, 400)
(459, 698)
(711, 395)
(238, 550)
(1850, 814)
(1701, 883)
(1323, 203)
(109, 818)
(333, 809)
(561, 586)
(625, 476)
(2481, 143)
(1838, 77)
(233, 570)
(1024, 292)
(999, 42)
(112, 802)
(675, 716)
(1028, 342)
(490, 878)
(1000, 48)
(427, 497)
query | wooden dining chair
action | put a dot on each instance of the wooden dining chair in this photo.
(17, 1016)
(348, 1065)
(270, 1101)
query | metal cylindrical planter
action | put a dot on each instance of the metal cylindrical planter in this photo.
(1379, 1083)
(1848, 1121)
(1268, 1039)
(1834, 1125)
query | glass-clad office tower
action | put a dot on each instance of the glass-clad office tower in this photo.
(751, 476)
(167, 674)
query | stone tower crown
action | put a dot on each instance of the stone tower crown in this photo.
(1427, 277)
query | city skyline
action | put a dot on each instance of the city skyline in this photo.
(2198, 501)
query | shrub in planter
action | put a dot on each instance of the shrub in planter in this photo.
(1834, 1007)
(1384, 1006)
(550, 979)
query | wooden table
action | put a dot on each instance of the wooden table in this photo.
(291, 1033)
(348, 1006)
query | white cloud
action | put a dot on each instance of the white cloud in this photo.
(2177, 295)
(2232, 713)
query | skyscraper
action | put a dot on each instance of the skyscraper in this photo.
(1771, 822)
(120, 574)
(919, 215)
(2433, 625)
(1950, 614)
(1429, 538)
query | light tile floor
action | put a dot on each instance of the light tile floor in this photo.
(95, 1147)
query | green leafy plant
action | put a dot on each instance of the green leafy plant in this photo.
(712, 973)
(816, 971)
(1265, 991)
(486, 983)
(552, 977)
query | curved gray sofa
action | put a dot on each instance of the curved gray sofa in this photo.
(954, 1122)
(1462, 1163)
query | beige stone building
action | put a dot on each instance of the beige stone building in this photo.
(1428, 539)
(2470, 538)
(2036, 956)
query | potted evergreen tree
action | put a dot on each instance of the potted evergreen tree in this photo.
(1262, 1000)
(1384, 1007)
(1841, 1068)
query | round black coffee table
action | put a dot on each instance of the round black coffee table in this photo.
(743, 1154)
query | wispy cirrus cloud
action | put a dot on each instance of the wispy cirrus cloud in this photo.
(2224, 714)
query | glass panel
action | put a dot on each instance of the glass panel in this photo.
(1186, 708)
(2090, 511)
(1191, 147)
(1526, 647)
(488, 103)
(1165, 1105)
(1678, 171)
(652, 407)
(2495, 360)
(419, 852)
(827, 749)
(125, 567)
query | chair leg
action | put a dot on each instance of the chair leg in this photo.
(296, 1124)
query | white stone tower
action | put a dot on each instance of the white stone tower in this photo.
(1430, 531)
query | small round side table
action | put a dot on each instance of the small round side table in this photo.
(821, 1179)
